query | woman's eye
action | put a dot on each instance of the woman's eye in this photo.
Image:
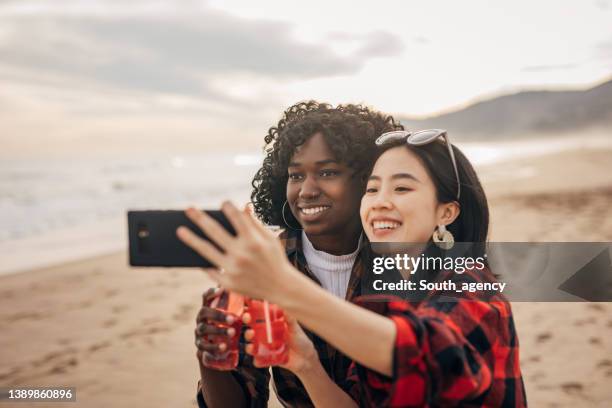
(371, 190)
(402, 189)
(329, 173)
(295, 176)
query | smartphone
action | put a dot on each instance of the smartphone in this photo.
(153, 240)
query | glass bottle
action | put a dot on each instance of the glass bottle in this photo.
(231, 304)
(270, 342)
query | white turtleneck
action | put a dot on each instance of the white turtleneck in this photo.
(333, 271)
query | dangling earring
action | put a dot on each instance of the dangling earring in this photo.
(443, 238)
(285, 220)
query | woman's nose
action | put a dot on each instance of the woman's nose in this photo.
(382, 200)
(309, 189)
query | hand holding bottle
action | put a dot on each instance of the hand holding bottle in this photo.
(217, 333)
(300, 351)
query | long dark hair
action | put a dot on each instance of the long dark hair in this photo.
(349, 130)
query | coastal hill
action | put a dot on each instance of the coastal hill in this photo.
(527, 113)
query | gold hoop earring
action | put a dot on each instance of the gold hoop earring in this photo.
(443, 238)
(285, 220)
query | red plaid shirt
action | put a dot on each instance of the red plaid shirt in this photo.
(448, 352)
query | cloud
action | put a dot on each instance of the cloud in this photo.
(380, 44)
(177, 53)
(96, 74)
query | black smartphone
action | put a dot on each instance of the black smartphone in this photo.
(153, 240)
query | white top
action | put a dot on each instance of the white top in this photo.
(333, 271)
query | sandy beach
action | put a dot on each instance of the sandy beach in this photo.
(124, 337)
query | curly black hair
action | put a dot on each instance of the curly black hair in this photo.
(349, 130)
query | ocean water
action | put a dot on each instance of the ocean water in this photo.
(57, 210)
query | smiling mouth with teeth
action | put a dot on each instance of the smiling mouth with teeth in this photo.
(313, 210)
(385, 225)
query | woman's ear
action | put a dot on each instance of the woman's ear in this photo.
(447, 213)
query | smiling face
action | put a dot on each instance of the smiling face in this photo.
(400, 203)
(322, 193)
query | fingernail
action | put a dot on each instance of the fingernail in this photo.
(222, 346)
(231, 331)
(230, 319)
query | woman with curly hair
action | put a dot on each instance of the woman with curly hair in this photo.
(310, 184)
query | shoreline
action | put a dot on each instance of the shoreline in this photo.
(64, 246)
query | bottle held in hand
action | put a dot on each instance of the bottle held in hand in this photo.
(232, 304)
(271, 338)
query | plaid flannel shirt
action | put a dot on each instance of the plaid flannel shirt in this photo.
(449, 351)
(289, 389)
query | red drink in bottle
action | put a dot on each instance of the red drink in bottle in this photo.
(232, 304)
(270, 343)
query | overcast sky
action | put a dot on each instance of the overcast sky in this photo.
(74, 67)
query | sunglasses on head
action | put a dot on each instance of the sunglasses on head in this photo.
(420, 138)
